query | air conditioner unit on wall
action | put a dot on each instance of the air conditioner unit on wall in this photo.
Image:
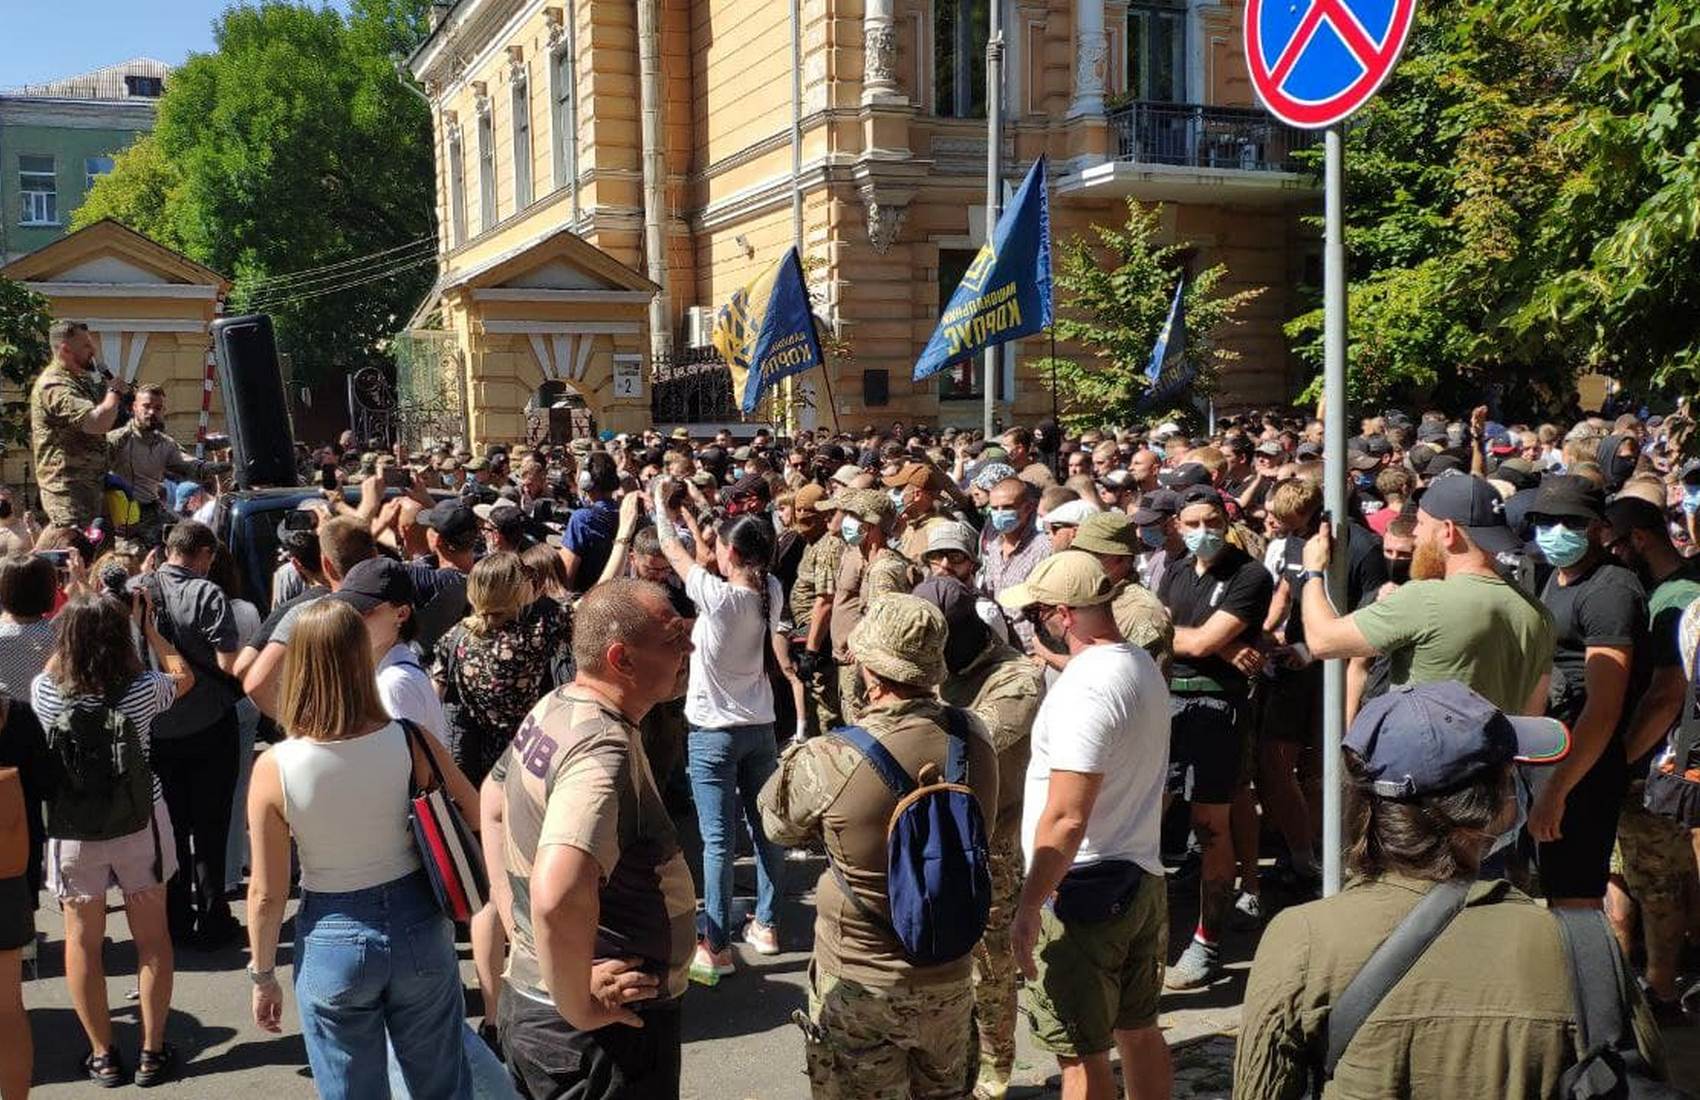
(699, 326)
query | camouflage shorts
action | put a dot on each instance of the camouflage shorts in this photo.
(1654, 855)
(887, 1044)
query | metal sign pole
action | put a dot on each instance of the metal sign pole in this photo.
(1334, 494)
(993, 361)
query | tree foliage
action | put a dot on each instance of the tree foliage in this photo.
(293, 145)
(24, 319)
(1116, 288)
(1524, 206)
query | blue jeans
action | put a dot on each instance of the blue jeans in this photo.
(728, 766)
(377, 962)
(490, 1079)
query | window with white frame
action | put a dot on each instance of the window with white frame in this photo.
(565, 113)
(960, 30)
(521, 100)
(457, 189)
(93, 169)
(38, 187)
(486, 172)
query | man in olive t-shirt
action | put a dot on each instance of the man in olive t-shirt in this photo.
(1457, 619)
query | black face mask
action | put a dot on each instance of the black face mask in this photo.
(5, 509)
(1398, 570)
(1622, 468)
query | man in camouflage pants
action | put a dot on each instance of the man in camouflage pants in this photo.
(875, 569)
(70, 414)
(878, 1026)
(1004, 690)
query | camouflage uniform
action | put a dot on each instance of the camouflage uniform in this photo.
(878, 1027)
(1004, 690)
(1654, 855)
(817, 573)
(144, 458)
(70, 464)
(1144, 621)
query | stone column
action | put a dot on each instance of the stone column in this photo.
(879, 53)
(1091, 50)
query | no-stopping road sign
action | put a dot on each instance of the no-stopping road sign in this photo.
(1314, 62)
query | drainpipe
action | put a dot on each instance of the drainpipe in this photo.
(654, 175)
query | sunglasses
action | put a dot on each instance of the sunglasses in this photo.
(1036, 614)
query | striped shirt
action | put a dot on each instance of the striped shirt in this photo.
(148, 695)
(24, 648)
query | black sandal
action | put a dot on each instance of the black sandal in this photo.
(105, 1070)
(156, 1066)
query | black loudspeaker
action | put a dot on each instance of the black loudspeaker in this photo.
(262, 442)
(876, 388)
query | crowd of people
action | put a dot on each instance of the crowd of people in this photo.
(1084, 669)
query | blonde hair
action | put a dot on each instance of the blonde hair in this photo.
(330, 685)
(1291, 500)
(498, 589)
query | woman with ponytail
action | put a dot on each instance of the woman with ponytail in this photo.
(729, 705)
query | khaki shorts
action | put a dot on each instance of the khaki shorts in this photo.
(83, 870)
(1100, 978)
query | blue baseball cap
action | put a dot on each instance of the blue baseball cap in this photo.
(1424, 739)
(186, 491)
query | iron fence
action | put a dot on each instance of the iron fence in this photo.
(423, 405)
(692, 386)
(1196, 136)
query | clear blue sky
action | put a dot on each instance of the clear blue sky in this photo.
(47, 39)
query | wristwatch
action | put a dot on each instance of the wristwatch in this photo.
(261, 977)
(1309, 574)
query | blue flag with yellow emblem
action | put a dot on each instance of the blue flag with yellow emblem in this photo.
(767, 331)
(1006, 292)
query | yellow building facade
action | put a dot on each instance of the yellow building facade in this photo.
(869, 116)
(151, 311)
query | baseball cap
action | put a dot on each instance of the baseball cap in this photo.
(1567, 496)
(741, 454)
(503, 513)
(966, 634)
(1378, 445)
(918, 474)
(846, 473)
(1072, 578)
(807, 497)
(1473, 504)
(942, 537)
(681, 432)
(871, 505)
(1519, 472)
(1363, 460)
(450, 519)
(1308, 450)
(1184, 475)
(1108, 533)
(1271, 448)
(375, 581)
(984, 475)
(1157, 506)
(185, 493)
(1116, 479)
(1424, 739)
(1070, 513)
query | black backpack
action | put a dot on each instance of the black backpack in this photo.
(1609, 1064)
(101, 785)
(1673, 782)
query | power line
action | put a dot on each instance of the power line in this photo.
(284, 298)
(247, 294)
(312, 273)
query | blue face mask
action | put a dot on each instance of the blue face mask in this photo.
(896, 496)
(737, 472)
(1691, 498)
(1562, 546)
(1004, 520)
(1203, 542)
(851, 531)
(1159, 450)
(1154, 537)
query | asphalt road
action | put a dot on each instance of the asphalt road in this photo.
(739, 1041)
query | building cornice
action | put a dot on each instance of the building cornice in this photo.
(76, 114)
(124, 290)
(490, 25)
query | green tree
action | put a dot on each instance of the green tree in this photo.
(1116, 288)
(24, 319)
(295, 145)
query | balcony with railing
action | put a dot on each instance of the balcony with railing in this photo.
(1168, 151)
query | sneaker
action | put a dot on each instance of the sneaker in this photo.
(1248, 910)
(763, 939)
(1199, 965)
(156, 1066)
(708, 967)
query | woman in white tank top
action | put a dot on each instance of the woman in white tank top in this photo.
(372, 945)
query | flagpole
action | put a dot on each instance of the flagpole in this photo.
(994, 184)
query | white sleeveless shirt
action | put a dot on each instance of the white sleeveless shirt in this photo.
(346, 803)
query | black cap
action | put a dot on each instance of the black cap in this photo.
(1363, 461)
(450, 519)
(1474, 505)
(1308, 450)
(1627, 513)
(1443, 463)
(1519, 473)
(375, 581)
(966, 635)
(1567, 496)
(1430, 738)
(1378, 445)
(1156, 506)
(1184, 476)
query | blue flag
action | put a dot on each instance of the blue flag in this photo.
(1167, 373)
(767, 331)
(1006, 292)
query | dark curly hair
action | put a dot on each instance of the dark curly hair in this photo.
(1436, 837)
(94, 654)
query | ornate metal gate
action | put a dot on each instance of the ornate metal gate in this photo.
(423, 406)
(693, 386)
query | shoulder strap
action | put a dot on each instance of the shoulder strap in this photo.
(416, 746)
(1390, 962)
(879, 758)
(956, 761)
(1596, 974)
(1688, 727)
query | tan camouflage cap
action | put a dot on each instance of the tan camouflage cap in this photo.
(1107, 533)
(901, 638)
(871, 505)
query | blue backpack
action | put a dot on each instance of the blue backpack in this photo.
(938, 878)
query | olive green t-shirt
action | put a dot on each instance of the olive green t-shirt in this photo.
(1481, 631)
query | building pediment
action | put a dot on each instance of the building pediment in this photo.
(109, 255)
(559, 266)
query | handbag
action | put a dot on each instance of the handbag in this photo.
(447, 847)
(1097, 892)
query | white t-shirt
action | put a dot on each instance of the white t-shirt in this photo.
(1107, 714)
(408, 693)
(728, 685)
